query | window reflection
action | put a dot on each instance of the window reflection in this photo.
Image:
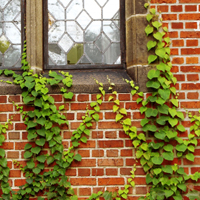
(84, 31)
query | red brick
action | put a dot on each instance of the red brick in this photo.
(97, 172)
(126, 171)
(124, 97)
(14, 135)
(84, 191)
(141, 190)
(110, 115)
(111, 171)
(57, 97)
(177, 43)
(83, 172)
(180, 77)
(20, 126)
(20, 182)
(3, 118)
(97, 134)
(174, 51)
(3, 99)
(190, 34)
(162, 8)
(110, 143)
(14, 98)
(177, 8)
(111, 134)
(190, 8)
(177, 25)
(111, 181)
(112, 153)
(84, 163)
(189, 51)
(12, 154)
(140, 180)
(190, 68)
(69, 116)
(84, 153)
(15, 117)
(6, 107)
(190, 86)
(15, 173)
(191, 25)
(109, 125)
(126, 152)
(169, 17)
(83, 97)
(79, 106)
(192, 77)
(110, 162)
(177, 60)
(193, 95)
(83, 181)
(97, 153)
(7, 145)
(192, 60)
(70, 172)
(191, 16)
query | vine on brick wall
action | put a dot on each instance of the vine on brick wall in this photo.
(162, 124)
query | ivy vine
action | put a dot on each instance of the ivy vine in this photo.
(161, 126)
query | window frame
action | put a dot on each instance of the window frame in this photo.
(85, 66)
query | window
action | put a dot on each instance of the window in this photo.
(84, 34)
(11, 33)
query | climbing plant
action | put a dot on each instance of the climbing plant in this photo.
(156, 147)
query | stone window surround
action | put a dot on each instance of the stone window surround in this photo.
(136, 52)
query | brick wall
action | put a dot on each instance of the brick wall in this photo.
(108, 156)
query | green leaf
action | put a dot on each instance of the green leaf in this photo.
(171, 134)
(30, 164)
(163, 109)
(190, 157)
(181, 128)
(27, 154)
(96, 117)
(28, 99)
(191, 148)
(157, 171)
(36, 150)
(41, 121)
(157, 160)
(180, 115)
(84, 139)
(158, 36)
(144, 121)
(160, 135)
(164, 93)
(182, 186)
(38, 103)
(36, 170)
(152, 58)
(127, 122)
(2, 152)
(157, 24)
(148, 178)
(167, 169)
(48, 124)
(78, 157)
(149, 127)
(168, 147)
(181, 147)
(27, 146)
(75, 144)
(31, 124)
(168, 193)
(61, 107)
(153, 74)
(160, 52)
(153, 84)
(151, 44)
(172, 112)
(174, 102)
(50, 159)
(68, 95)
(151, 112)
(41, 158)
(173, 122)
(168, 156)
(148, 30)
(118, 117)
(149, 17)
(123, 111)
(40, 142)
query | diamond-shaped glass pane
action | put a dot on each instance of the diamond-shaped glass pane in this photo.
(83, 19)
(93, 9)
(74, 31)
(4, 44)
(66, 43)
(86, 31)
(102, 42)
(101, 2)
(57, 55)
(12, 56)
(74, 9)
(11, 10)
(13, 33)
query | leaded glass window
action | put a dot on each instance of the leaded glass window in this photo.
(84, 32)
(10, 33)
